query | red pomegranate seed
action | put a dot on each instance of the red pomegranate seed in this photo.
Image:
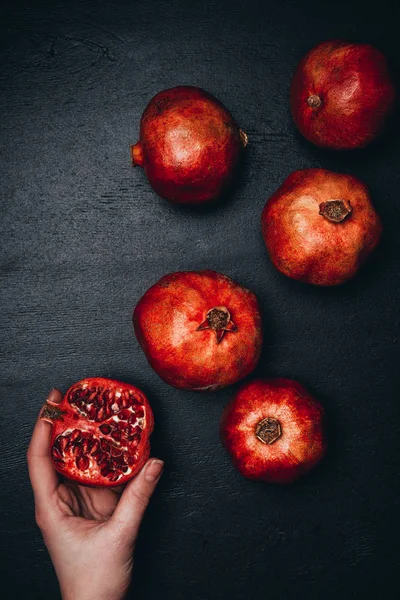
(113, 476)
(125, 414)
(105, 428)
(115, 451)
(56, 454)
(105, 445)
(124, 469)
(105, 470)
(130, 460)
(82, 462)
(74, 435)
(103, 460)
(116, 435)
(95, 447)
(100, 414)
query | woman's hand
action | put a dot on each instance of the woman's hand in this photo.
(90, 532)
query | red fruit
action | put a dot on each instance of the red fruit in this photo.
(199, 330)
(189, 145)
(319, 226)
(341, 95)
(273, 430)
(80, 444)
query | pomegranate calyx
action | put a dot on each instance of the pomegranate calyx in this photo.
(137, 154)
(52, 413)
(335, 210)
(218, 319)
(268, 430)
(244, 138)
(314, 101)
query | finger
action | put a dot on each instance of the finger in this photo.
(43, 477)
(129, 513)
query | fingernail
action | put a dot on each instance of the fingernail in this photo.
(154, 470)
(54, 395)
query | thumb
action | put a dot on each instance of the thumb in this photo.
(130, 510)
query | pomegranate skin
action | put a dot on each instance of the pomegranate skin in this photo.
(313, 247)
(172, 325)
(288, 420)
(189, 145)
(341, 95)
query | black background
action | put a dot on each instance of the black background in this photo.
(83, 236)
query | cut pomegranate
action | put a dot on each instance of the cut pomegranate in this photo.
(93, 445)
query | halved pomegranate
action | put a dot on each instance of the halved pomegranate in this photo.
(101, 432)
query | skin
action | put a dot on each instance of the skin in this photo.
(189, 145)
(306, 246)
(301, 444)
(97, 524)
(355, 91)
(166, 321)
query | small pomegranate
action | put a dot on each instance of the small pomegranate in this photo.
(188, 145)
(273, 430)
(101, 432)
(319, 226)
(341, 95)
(199, 330)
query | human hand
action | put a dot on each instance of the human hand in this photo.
(90, 533)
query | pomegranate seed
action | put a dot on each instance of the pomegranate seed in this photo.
(135, 441)
(100, 414)
(115, 451)
(105, 428)
(99, 401)
(85, 446)
(105, 470)
(125, 414)
(130, 460)
(139, 412)
(115, 408)
(74, 435)
(95, 448)
(124, 469)
(117, 435)
(56, 454)
(82, 462)
(105, 445)
(103, 460)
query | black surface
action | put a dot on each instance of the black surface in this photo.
(83, 236)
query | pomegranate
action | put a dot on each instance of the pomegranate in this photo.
(273, 430)
(341, 95)
(319, 226)
(101, 431)
(189, 145)
(199, 330)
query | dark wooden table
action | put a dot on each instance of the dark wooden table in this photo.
(83, 236)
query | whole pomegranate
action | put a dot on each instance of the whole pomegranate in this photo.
(273, 430)
(199, 330)
(341, 95)
(319, 226)
(188, 145)
(101, 432)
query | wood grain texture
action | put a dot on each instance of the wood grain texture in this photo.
(83, 236)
